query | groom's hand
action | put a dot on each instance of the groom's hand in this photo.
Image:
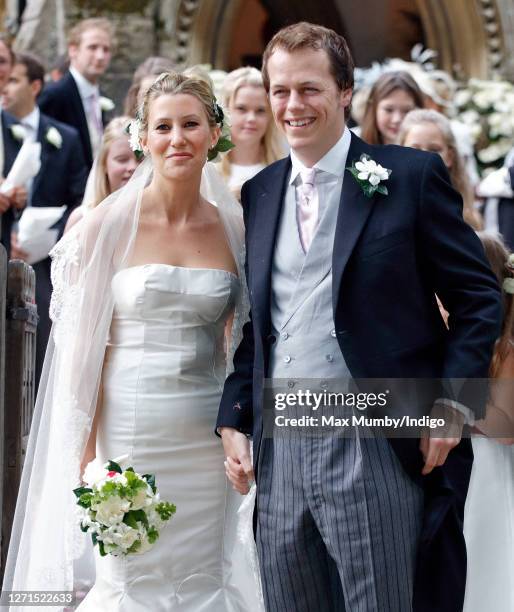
(437, 443)
(238, 465)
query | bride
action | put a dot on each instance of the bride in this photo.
(148, 289)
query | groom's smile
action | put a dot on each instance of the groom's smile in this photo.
(307, 104)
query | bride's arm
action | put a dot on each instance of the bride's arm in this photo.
(228, 333)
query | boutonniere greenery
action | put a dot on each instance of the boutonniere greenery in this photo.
(106, 104)
(18, 132)
(53, 136)
(370, 175)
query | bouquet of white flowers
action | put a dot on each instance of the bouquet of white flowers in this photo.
(121, 509)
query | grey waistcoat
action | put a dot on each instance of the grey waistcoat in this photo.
(301, 299)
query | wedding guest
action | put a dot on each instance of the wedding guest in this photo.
(428, 130)
(60, 181)
(253, 131)
(489, 518)
(439, 89)
(10, 143)
(392, 96)
(75, 99)
(144, 76)
(113, 168)
(498, 190)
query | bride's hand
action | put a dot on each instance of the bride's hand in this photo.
(89, 455)
(238, 465)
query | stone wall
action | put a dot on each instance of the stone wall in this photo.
(477, 36)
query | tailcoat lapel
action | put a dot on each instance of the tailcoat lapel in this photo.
(354, 209)
(41, 138)
(267, 214)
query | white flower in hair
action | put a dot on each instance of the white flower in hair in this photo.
(53, 136)
(134, 134)
(106, 104)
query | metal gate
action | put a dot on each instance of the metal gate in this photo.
(19, 387)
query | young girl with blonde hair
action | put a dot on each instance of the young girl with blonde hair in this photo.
(253, 131)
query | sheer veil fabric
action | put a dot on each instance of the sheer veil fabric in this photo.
(45, 538)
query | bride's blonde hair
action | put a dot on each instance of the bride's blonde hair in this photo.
(177, 83)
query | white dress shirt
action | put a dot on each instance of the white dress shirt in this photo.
(31, 124)
(329, 176)
(90, 96)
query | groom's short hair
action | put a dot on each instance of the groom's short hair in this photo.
(304, 35)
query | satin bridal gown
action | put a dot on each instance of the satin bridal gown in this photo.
(163, 376)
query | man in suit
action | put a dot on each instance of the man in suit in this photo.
(344, 285)
(61, 179)
(10, 144)
(75, 99)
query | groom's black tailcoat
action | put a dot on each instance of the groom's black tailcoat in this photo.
(391, 255)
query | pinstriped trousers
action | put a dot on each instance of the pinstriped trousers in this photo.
(338, 522)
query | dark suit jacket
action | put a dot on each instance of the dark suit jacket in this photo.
(506, 215)
(60, 181)
(11, 149)
(391, 255)
(61, 100)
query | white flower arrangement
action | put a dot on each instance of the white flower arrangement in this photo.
(487, 108)
(106, 104)
(18, 132)
(370, 175)
(53, 136)
(121, 509)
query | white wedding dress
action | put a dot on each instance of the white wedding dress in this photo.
(162, 381)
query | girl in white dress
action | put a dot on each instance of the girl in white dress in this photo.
(489, 513)
(146, 288)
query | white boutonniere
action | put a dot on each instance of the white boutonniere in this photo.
(106, 104)
(370, 175)
(53, 136)
(18, 132)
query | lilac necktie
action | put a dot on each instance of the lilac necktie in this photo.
(307, 207)
(94, 103)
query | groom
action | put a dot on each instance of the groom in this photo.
(344, 285)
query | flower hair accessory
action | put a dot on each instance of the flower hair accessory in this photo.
(224, 143)
(133, 130)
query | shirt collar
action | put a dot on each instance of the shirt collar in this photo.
(32, 119)
(85, 87)
(333, 162)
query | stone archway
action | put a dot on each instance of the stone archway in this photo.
(472, 37)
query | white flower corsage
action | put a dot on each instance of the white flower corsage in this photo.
(18, 131)
(370, 175)
(106, 104)
(53, 136)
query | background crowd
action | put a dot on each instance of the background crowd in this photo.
(86, 154)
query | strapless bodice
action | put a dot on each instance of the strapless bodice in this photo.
(179, 313)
